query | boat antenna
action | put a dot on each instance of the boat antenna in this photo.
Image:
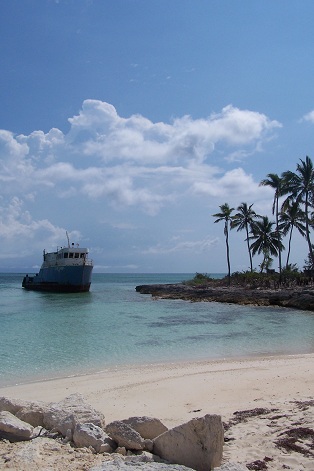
(68, 238)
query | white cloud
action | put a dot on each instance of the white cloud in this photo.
(309, 117)
(198, 246)
(117, 162)
(18, 229)
(129, 161)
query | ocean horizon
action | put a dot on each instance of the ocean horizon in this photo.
(52, 335)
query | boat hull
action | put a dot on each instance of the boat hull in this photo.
(60, 279)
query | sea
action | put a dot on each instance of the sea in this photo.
(54, 335)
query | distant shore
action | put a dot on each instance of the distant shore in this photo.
(297, 297)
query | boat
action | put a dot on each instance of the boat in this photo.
(68, 270)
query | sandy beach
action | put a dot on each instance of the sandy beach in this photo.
(279, 392)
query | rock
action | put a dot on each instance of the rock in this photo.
(86, 435)
(12, 405)
(121, 450)
(13, 428)
(144, 456)
(197, 444)
(147, 427)
(297, 297)
(64, 415)
(32, 413)
(125, 436)
(119, 464)
(148, 444)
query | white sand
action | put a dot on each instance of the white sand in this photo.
(177, 392)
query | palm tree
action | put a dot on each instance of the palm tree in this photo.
(225, 215)
(291, 217)
(274, 181)
(265, 241)
(244, 219)
(300, 185)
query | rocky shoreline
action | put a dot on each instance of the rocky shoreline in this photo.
(296, 297)
(145, 443)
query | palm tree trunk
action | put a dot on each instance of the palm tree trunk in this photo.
(308, 229)
(278, 237)
(228, 252)
(248, 246)
(289, 247)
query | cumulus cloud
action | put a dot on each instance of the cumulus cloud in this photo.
(103, 133)
(131, 161)
(196, 247)
(116, 162)
(20, 230)
(309, 117)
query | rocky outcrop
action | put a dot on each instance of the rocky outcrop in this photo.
(296, 297)
(147, 427)
(86, 435)
(14, 405)
(127, 437)
(198, 444)
(64, 415)
(33, 413)
(14, 428)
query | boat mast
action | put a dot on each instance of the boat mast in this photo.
(68, 238)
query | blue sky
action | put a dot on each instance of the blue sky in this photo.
(128, 122)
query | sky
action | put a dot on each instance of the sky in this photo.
(127, 123)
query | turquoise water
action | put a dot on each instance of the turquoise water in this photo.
(45, 335)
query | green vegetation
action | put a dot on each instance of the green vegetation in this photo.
(289, 278)
(293, 208)
(199, 279)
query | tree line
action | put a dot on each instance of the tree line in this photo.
(264, 236)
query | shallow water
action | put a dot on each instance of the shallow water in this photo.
(45, 335)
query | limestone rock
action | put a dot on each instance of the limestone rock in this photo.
(197, 444)
(12, 405)
(32, 413)
(13, 428)
(86, 435)
(125, 436)
(121, 450)
(147, 427)
(64, 415)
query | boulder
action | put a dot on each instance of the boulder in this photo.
(12, 405)
(197, 444)
(125, 435)
(13, 428)
(32, 413)
(147, 427)
(86, 435)
(64, 415)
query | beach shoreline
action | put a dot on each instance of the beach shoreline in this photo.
(171, 391)
(260, 400)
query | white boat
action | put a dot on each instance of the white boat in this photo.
(68, 270)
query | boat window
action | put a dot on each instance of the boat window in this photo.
(83, 255)
(66, 255)
(77, 255)
(71, 255)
